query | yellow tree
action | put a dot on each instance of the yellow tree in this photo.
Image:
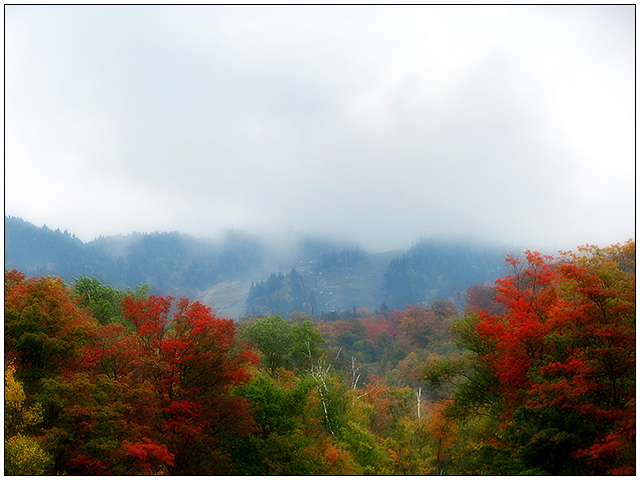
(23, 455)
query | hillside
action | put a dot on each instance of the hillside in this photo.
(221, 271)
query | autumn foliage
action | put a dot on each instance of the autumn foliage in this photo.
(559, 363)
(153, 400)
(534, 375)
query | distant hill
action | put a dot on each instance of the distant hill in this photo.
(42, 251)
(281, 294)
(240, 273)
(432, 270)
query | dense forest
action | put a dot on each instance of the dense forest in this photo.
(534, 374)
(234, 274)
(283, 294)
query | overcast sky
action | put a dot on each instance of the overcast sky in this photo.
(374, 124)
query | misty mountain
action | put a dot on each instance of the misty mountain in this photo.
(432, 270)
(171, 263)
(179, 263)
(281, 294)
(42, 251)
(240, 273)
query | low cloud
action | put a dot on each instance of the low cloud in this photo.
(373, 124)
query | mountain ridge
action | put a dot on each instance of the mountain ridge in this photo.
(221, 272)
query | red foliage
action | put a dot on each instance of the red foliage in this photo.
(45, 327)
(378, 394)
(184, 418)
(481, 298)
(84, 465)
(520, 333)
(192, 360)
(442, 431)
(147, 457)
(338, 462)
(567, 341)
(376, 325)
(421, 327)
(149, 317)
(162, 392)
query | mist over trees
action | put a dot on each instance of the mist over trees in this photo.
(281, 294)
(534, 375)
(240, 273)
(431, 270)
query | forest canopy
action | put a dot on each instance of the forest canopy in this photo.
(534, 375)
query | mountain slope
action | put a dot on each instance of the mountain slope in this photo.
(221, 272)
(431, 270)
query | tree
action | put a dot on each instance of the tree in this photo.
(269, 335)
(284, 345)
(422, 327)
(23, 454)
(442, 431)
(278, 446)
(45, 328)
(482, 298)
(157, 399)
(556, 369)
(194, 362)
(105, 302)
(281, 294)
(17, 415)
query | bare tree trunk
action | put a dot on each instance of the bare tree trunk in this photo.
(355, 376)
(319, 373)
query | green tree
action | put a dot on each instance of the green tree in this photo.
(365, 448)
(105, 302)
(279, 446)
(284, 345)
(269, 335)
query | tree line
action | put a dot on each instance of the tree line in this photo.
(172, 263)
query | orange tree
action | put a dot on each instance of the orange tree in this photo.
(45, 329)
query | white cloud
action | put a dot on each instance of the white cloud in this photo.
(377, 123)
